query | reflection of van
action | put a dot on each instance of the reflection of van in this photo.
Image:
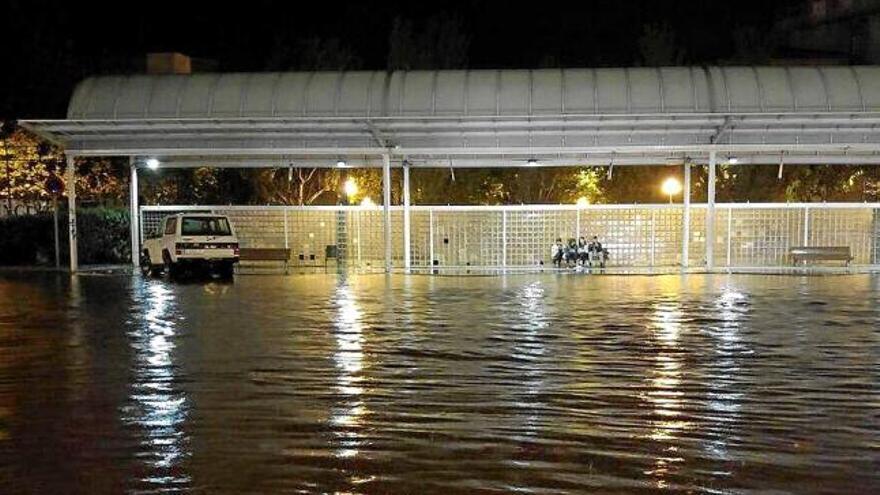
(191, 240)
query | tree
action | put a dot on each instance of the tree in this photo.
(312, 54)
(440, 44)
(658, 46)
(754, 45)
(27, 162)
(296, 186)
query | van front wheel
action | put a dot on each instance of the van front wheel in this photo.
(146, 266)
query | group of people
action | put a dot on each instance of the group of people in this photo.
(579, 253)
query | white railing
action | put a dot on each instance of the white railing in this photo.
(520, 236)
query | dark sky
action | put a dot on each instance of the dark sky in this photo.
(56, 43)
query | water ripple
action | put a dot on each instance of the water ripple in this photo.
(374, 384)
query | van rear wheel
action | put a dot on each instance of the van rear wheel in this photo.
(171, 268)
(226, 270)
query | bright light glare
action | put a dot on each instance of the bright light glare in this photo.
(152, 163)
(367, 202)
(671, 186)
(351, 187)
(733, 160)
(583, 201)
(532, 163)
(341, 164)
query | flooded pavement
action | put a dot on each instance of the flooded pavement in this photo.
(374, 384)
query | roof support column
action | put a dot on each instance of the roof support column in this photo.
(70, 179)
(134, 213)
(686, 217)
(407, 255)
(386, 207)
(710, 215)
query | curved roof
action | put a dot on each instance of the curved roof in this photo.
(481, 117)
(480, 93)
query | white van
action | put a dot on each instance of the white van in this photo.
(191, 240)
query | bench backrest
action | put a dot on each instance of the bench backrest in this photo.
(264, 254)
(828, 252)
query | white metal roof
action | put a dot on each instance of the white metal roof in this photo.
(565, 116)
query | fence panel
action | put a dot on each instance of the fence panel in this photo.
(746, 235)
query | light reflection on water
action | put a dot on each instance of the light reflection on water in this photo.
(530, 348)
(157, 407)
(374, 384)
(664, 393)
(349, 359)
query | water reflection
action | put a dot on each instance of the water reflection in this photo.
(664, 391)
(725, 396)
(539, 384)
(529, 347)
(349, 359)
(156, 406)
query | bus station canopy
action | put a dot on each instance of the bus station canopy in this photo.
(481, 118)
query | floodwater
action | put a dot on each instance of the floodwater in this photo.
(375, 384)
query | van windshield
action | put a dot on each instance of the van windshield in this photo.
(205, 226)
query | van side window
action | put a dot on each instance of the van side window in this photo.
(171, 226)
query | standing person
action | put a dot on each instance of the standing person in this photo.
(557, 251)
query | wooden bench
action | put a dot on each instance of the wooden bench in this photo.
(820, 253)
(265, 254)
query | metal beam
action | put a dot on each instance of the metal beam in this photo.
(720, 130)
(508, 208)
(620, 151)
(556, 161)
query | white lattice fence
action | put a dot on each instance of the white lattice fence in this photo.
(746, 235)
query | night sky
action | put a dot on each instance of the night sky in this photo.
(55, 44)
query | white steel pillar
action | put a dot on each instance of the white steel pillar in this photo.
(70, 179)
(710, 215)
(729, 233)
(386, 208)
(806, 226)
(431, 239)
(504, 238)
(686, 217)
(407, 255)
(133, 213)
(653, 236)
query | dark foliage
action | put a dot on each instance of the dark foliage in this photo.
(103, 237)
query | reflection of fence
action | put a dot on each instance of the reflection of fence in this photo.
(746, 235)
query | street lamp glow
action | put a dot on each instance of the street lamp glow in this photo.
(583, 201)
(152, 163)
(367, 202)
(350, 187)
(671, 187)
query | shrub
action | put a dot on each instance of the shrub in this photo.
(103, 237)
